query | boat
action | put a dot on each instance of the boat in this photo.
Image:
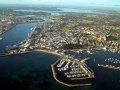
(13, 53)
(0, 37)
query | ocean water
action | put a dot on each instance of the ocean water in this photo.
(29, 71)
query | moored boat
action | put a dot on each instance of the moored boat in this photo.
(0, 37)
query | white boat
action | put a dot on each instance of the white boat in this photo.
(0, 38)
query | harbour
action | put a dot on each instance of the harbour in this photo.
(33, 69)
(42, 62)
(74, 73)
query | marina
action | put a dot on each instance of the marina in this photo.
(73, 73)
(112, 63)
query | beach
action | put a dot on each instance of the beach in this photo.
(48, 51)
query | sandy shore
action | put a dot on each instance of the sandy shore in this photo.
(47, 51)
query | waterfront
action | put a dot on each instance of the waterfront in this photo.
(32, 71)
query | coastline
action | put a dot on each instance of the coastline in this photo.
(50, 52)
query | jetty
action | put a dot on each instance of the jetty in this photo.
(16, 53)
(109, 66)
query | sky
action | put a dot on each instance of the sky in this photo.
(63, 2)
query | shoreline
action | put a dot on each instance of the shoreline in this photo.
(50, 52)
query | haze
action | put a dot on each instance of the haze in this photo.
(64, 2)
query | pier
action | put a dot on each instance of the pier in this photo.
(85, 59)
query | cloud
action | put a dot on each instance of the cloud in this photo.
(59, 0)
(48, 0)
(35, 0)
(41, 0)
(44, 0)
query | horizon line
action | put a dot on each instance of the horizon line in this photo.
(60, 4)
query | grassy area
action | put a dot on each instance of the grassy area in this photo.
(116, 31)
(114, 24)
(71, 46)
(65, 27)
(89, 36)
